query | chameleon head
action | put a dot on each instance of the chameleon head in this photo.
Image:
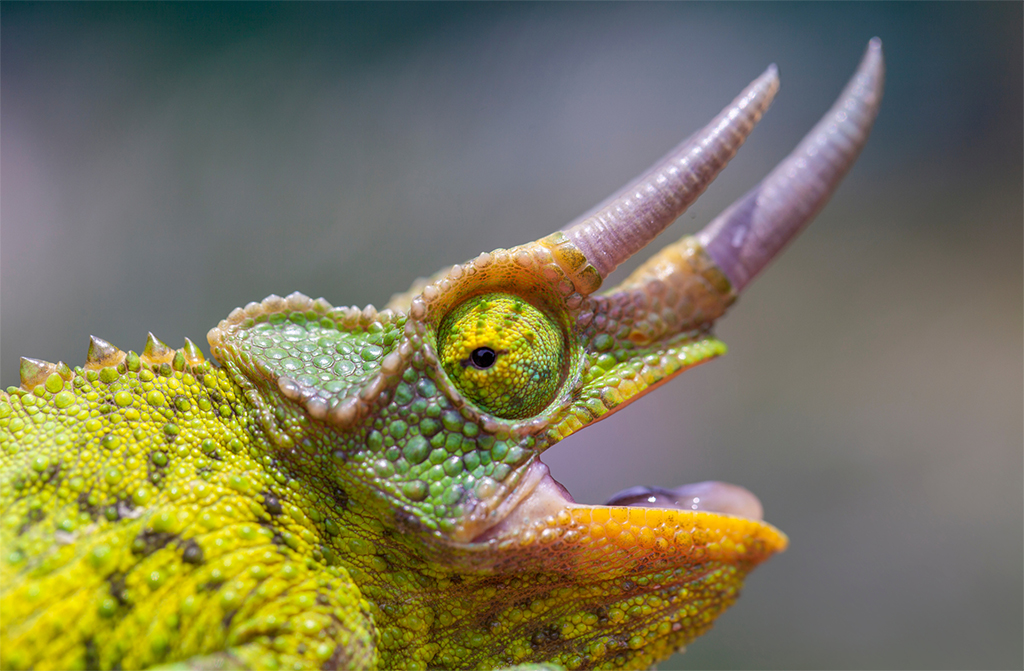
(440, 406)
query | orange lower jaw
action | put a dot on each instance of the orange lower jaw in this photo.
(670, 534)
(627, 533)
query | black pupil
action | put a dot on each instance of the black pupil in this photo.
(482, 357)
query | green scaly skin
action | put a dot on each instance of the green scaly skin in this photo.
(330, 492)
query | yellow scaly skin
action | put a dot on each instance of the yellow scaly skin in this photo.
(324, 495)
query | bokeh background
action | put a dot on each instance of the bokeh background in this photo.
(164, 163)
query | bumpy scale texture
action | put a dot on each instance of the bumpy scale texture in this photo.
(320, 497)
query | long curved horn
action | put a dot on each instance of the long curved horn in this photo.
(624, 224)
(753, 230)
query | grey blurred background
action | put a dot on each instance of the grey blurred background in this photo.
(164, 163)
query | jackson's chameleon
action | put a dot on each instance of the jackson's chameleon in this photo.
(345, 488)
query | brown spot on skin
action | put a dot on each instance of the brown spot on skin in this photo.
(336, 661)
(115, 581)
(51, 472)
(92, 655)
(272, 504)
(33, 517)
(155, 474)
(545, 635)
(277, 539)
(125, 508)
(407, 523)
(149, 542)
(210, 586)
(84, 506)
(191, 552)
(340, 497)
(523, 602)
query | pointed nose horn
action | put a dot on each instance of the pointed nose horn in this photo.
(625, 223)
(753, 230)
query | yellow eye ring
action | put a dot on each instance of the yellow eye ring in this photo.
(503, 354)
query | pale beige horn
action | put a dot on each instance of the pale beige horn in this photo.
(629, 220)
(753, 230)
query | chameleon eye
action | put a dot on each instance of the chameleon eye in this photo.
(503, 354)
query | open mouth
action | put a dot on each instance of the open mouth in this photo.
(542, 497)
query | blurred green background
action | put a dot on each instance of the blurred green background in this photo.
(164, 163)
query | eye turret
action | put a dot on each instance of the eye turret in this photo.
(503, 354)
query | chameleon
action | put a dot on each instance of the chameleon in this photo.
(353, 488)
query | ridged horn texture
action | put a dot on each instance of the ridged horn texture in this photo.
(753, 230)
(625, 223)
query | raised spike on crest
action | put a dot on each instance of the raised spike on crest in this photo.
(65, 371)
(156, 352)
(34, 372)
(193, 355)
(102, 354)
